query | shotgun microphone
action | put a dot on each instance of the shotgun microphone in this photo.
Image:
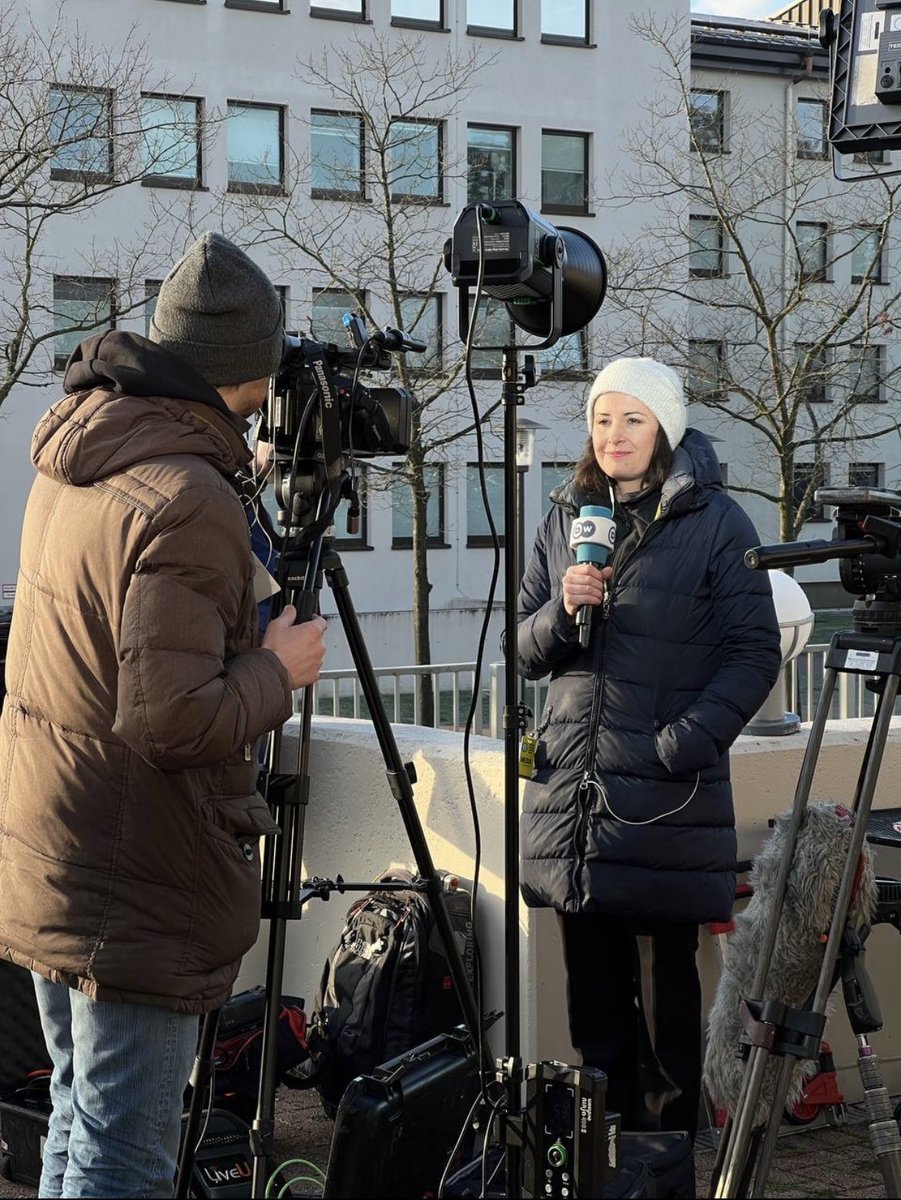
(592, 536)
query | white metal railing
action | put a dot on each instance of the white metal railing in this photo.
(338, 693)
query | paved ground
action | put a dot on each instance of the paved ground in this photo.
(834, 1161)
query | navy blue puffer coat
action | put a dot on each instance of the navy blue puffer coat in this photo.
(631, 810)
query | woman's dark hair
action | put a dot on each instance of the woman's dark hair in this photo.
(589, 477)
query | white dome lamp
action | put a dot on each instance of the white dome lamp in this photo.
(795, 619)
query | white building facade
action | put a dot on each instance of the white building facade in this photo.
(249, 89)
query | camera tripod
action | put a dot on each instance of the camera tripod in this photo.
(284, 892)
(773, 1028)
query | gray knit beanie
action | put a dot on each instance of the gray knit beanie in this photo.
(217, 310)
(655, 384)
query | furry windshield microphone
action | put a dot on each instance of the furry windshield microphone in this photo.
(816, 870)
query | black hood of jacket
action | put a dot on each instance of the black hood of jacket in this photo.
(135, 366)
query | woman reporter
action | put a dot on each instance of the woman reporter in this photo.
(628, 829)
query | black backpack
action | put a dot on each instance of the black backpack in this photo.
(386, 986)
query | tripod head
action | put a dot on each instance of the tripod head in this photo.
(867, 542)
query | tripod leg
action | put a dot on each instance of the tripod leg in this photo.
(884, 1136)
(200, 1078)
(402, 789)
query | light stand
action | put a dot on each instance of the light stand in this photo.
(552, 282)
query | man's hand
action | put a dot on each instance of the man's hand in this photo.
(299, 648)
(584, 583)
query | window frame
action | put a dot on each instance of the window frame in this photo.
(820, 393)
(151, 289)
(412, 197)
(60, 360)
(480, 370)
(578, 210)
(815, 512)
(879, 471)
(434, 541)
(153, 179)
(562, 39)
(822, 273)
(880, 352)
(879, 275)
(481, 541)
(106, 175)
(563, 373)
(514, 165)
(440, 23)
(432, 360)
(275, 6)
(498, 31)
(721, 146)
(237, 186)
(336, 193)
(339, 14)
(696, 247)
(810, 103)
(716, 392)
(327, 289)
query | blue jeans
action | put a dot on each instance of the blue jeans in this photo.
(119, 1076)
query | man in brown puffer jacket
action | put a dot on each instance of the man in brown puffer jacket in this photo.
(137, 691)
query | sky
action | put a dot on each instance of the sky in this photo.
(738, 8)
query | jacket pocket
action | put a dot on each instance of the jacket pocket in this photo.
(237, 819)
(227, 885)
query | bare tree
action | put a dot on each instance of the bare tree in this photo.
(375, 234)
(765, 281)
(79, 122)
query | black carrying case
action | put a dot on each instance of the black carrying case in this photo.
(396, 1129)
(669, 1159)
(24, 1077)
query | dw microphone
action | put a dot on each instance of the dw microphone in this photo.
(592, 537)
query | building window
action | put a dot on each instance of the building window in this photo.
(866, 257)
(151, 292)
(867, 364)
(402, 509)
(554, 475)
(869, 158)
(478, 531)
(350, 10)
(707, 120)
(259, 5)
(812, 249)
(329, 307)
(869, 475)
(336, 155)
(812, 374)
(564, 20)
(493, 327)
(806, 479)
(415, 168)
(81, 133)
(360, 539)
(80, 307)
(491, 16)
(812, 141)
(421, 318)
(170, 149)
(490, 162)
(427, 14)
(567, 357)
(724, 475)
(706, 258)
(564, 172)
(255, 137)
(706, 371)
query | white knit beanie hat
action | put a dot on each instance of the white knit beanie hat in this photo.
(656, 385)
